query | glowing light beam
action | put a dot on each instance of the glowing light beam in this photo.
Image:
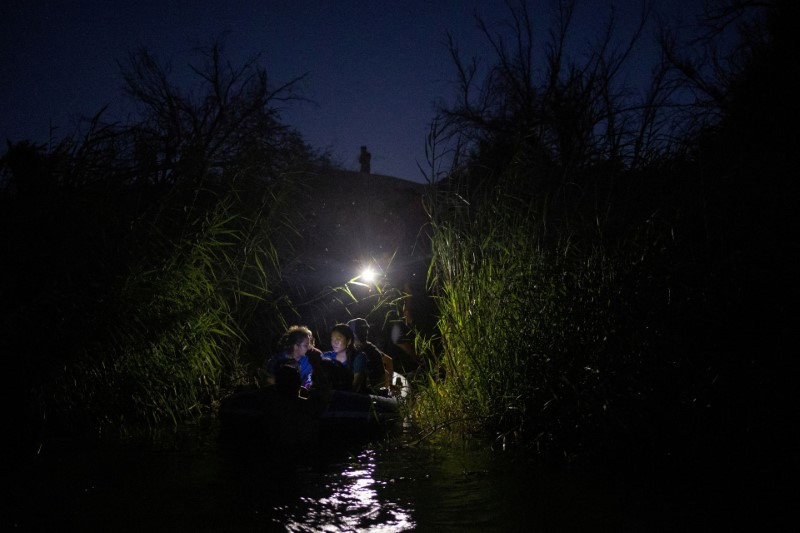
(368, 275)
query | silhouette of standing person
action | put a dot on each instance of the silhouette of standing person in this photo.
(364, 159)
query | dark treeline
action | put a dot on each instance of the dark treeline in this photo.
(135, 255)
(612, 272)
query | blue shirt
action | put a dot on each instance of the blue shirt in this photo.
(302, 365)
(341, 375)
(356, 365)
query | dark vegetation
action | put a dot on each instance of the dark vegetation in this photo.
(136, 255)
(611, 272)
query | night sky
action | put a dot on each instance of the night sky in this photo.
(375, 68)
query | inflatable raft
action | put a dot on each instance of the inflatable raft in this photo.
(269, 415)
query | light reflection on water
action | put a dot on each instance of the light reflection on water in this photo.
(352, 503)
(192, 486)
(427, 487)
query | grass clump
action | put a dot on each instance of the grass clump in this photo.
(522, 324)
(598, 289)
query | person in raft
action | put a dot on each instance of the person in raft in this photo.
(352, 362)
(331, 371)
(378, 370)
(311, 347)
(291, 353)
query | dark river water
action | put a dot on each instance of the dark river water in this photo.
(189, 482)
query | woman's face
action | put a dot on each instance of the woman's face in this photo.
(300, 348)
(338, 342)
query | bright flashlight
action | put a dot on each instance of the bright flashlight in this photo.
(368, 275)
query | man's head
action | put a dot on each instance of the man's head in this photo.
(306, 330)
(360, 329)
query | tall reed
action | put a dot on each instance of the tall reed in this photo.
(176, 328)
(545, 336)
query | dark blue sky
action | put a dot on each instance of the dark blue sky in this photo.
(374, 68)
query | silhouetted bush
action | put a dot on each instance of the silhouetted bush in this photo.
(601, 271)
(135, 255)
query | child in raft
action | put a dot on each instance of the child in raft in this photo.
(350, 362)
(344, 352)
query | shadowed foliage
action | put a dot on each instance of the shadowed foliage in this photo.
(609, 271)
(136, 254)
